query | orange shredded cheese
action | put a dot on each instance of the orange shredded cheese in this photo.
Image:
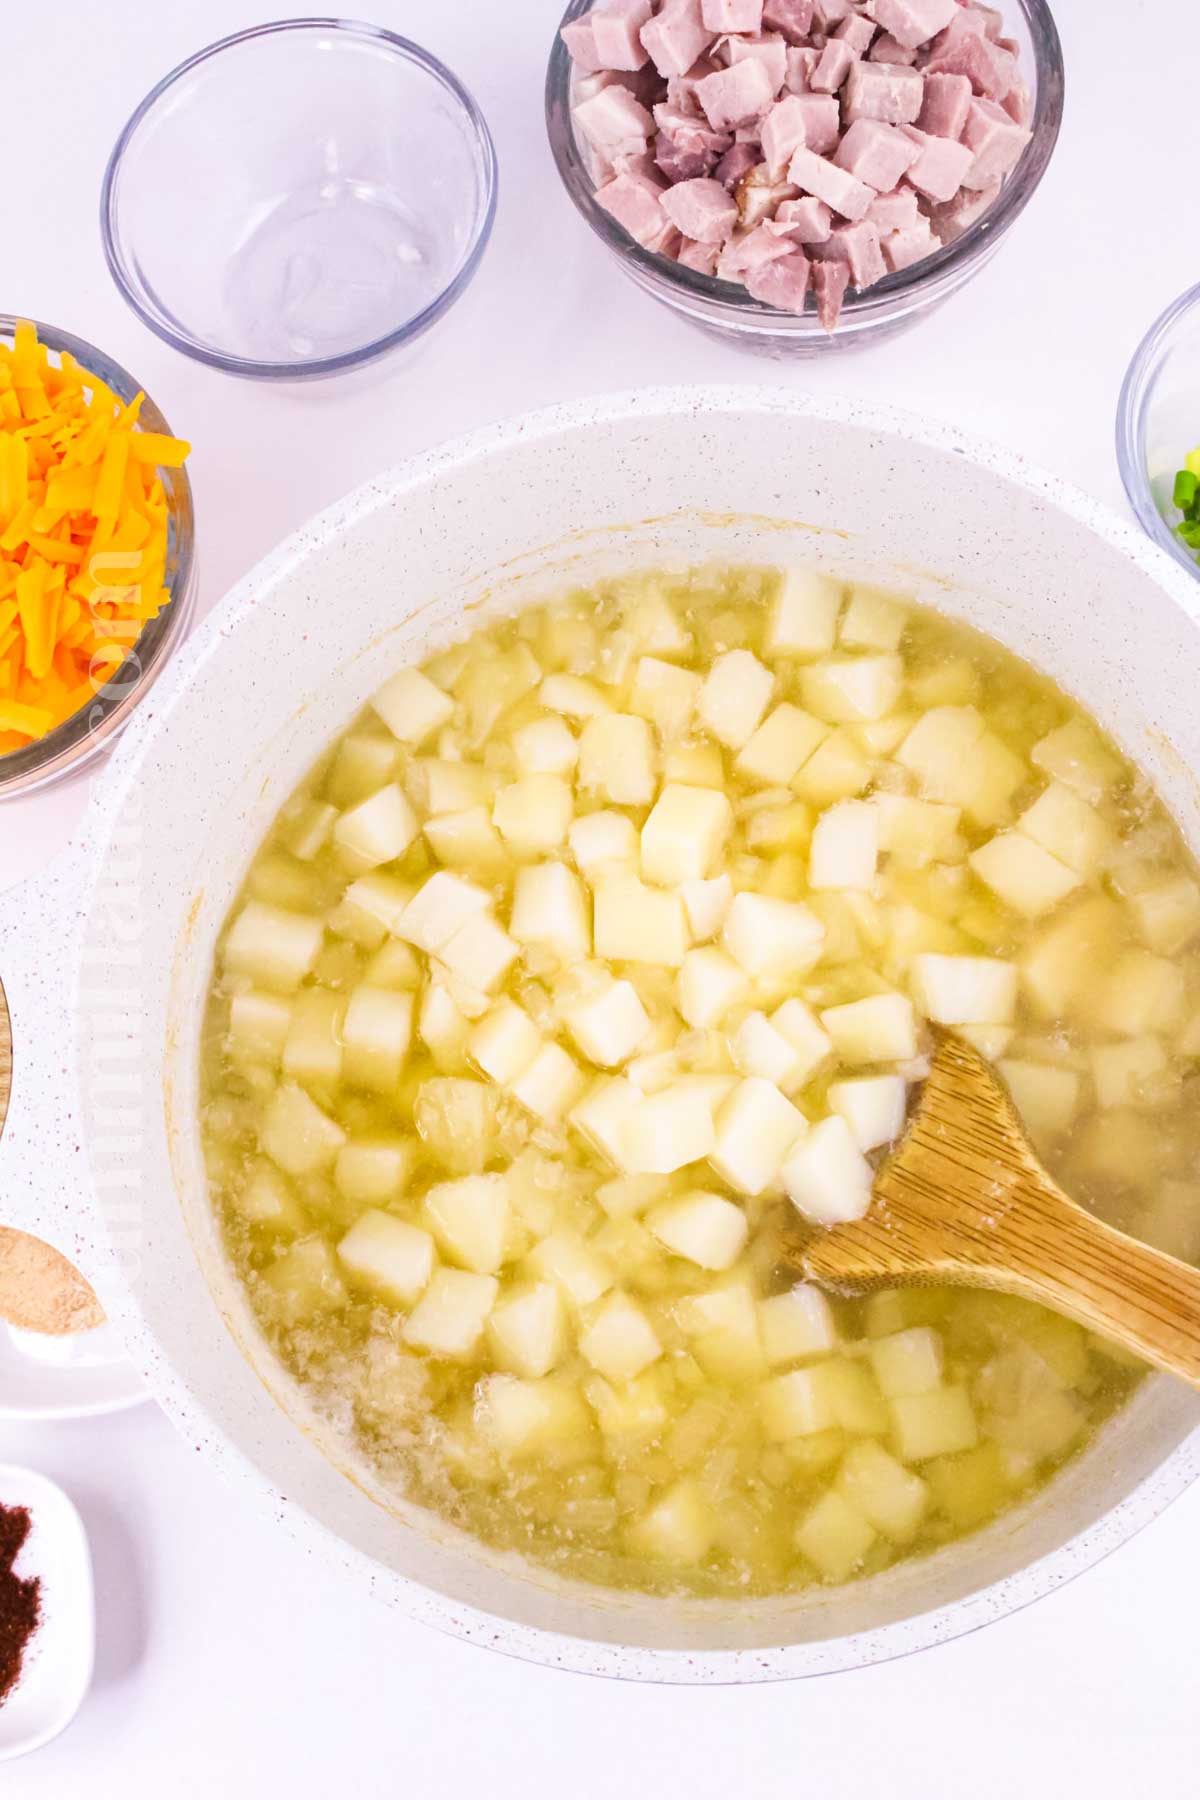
(83, 535)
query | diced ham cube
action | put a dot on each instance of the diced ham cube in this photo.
(836, 187)
(769, 50)
(751, 250)
(884, 91)
(885, 49)
(737, 95)
(701, 257)
(732, 15)
(944, 108)
(614, 123)
(833, 68)
(791, 18)
(912, 22)
(808, 221)
(856, 31)
(580, 39)
(800, 65)
(701, 209)
(822, 127)
(940, 165)
(996, 140)
(857, 246)
(686, 147)
(736, 163)
(759, 197)
(989, 68)
(638, 207)
(951, 220)
(681, 89)
(676, 36)
(782, 133)
(782, 284)
(908, 245)
(617, 26)
(877, 154)
(991, 20)
(830, 281)
(828, 13)
(1018, 103)
(894, 212)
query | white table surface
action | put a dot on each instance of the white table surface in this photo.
(227, 1664)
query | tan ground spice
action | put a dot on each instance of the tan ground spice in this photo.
(40, 1290)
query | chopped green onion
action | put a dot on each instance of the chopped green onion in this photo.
(1186, 485)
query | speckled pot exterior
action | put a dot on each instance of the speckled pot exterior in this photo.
(100, 1153)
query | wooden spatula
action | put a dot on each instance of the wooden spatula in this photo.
(964, 1200)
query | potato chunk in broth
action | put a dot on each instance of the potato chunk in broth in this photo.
(597, 945)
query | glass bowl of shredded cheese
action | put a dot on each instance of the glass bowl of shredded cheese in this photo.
(97, 564)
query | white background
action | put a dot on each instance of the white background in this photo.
(228, 1664)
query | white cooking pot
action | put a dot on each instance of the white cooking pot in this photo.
(106, 959)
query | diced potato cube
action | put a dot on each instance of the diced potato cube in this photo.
(918, 831)
(527, 1330)
(267, 1200)
(369, 909)
(734, 697)
(362, 764)
(637, 923)
(652, 621)
(412, 707)
(276, 949)
(532, 815)
(1069, 828)
(438, 908)
(617, 759)
(939, 1423)
(706, 903)
(827, 1177)
(770, 937)
(965, 990)
(873, 1107)
(601, 839)
(1046, 1098)
(845, 846)
(304, 1281)
(466, 840)
(389, 1256)
(796, 1022)
(756, 1127)
(309, 830)
(620, 1342)
(796, 1324)
(685, 834)
(1074, 755)
(804, 614)
(529, 1418)
(573, 1266)
(550, 911)
(609, 1024)
(845, 690)
(908, 1362)
(668, 1130)
(878, 1029)
(376, 1034)
(296, 1134)
(637, 1410)
(259, 1025)
(872, 620)
(885, 1493)
(1025, 876)
(572, 696)
(679, 1528)
(939, 748)
(373, 1170)
(493, 682)
(470, 1219)
(504, 1043)
(800, 1403)
(449, 1318)
(437, 786)
(838, 769)
(480, 953)
(377, 830)
(1140, 993)
(1062, 960)
(442, 1026)
(704, 1228)
(759, 1049)
(551, 1084)
(627, 1195)
(545, 747)
(1129, 1074)
(696, 765)
(665, 695)
(709, 984)
(834, 1536)
(604, 1113)
(1167, 917)
(770, 829)
(781, 746)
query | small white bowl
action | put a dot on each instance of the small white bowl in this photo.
(75, 1377)
(58, 1662)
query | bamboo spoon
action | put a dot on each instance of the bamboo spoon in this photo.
(963, 1200)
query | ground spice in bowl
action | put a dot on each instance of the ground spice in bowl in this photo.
(20, 1601)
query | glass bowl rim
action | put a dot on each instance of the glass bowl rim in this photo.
(1145, 367)
(76, 740)
(132, 290)
(905, 284)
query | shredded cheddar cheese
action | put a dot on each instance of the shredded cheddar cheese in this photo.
(83, 535)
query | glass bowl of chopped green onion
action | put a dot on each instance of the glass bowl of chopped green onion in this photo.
(1158, 430)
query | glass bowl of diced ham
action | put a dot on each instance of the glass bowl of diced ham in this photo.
(800, 174)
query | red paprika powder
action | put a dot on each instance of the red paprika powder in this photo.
(20, 1601)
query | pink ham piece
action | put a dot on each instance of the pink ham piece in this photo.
(701, 257)
(701, 209)
(830, 281)
(884, 91)
(800, 65)
(791, 18)
(782, 284)
(856, 31)
(732, 15)
(808, 221)
(996, 140)
(857, 246)
(1018, 103)
(735, 96)
(877, 154)
(833, 68)
(750, 251)
(783, 133)
(828, 13)
(961, 50)
(944, 107)
(676, 36)
(736, 163)
(769, 50)
(951, 220)
(836, 187)
(618, 27)
(907, 246)
(821, 130)
(758, 196)
(912, 22)
(940, 165)
(894, 212)
(637, 206)
(885, 49)
(614, 123)
(681, 89)
(685, 146)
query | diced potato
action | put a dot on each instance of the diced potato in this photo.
(551, 1084)
(796, 1324)
(259, 1025)
(377, 830)
(827, 1177)
(838, 769)
(696, 765)
(872, 620)
(684, 834)
(796, 1022)
(845, 690)
(304, 1282)
(1129, 1074)
(667, 1131)
(709, 984)
(372, 1171)
(572, 696)
(756, 1127)
(437, 786)
(1167, 917)
(480, 953)
(965, 990)
(770, 829)
(466, 840)
(362, 764)
(617, 759)
(939, 1423)
(620, 1341)
(885, 1493)
(637, 923)
(458, 1121)
(1064, 824)
(804, 614)
(908, 1362)
(412, 707)
(296, 1134)
(492, 683)
(389, 1256)
(449, 1318)
(770, 937)
(1140, 993)
(845, 846)
(759, 1049)
(550, 911)
(527, 1330)
(873, 1107)
(1061, 961)
(532, 815)
(267, 1200)
(504, 1043)
(369, 909)
(609, 1023)
(603, 839)
(573, 1267)
(800, 1403)
(834, 1536)
(627, 1195)
(895, 1309)
(376, 1034)
(438, 909)
(679, 1528)
(1026, 877)
(781, 746)
(878, 1029)
(734, 697)
(941, 751)
(1046, 1098)
(470, 1219)
(545, 747)
(919, 832)
(442, 1026)
(1074, 755)
(706, 904)
(706, 1229)
(274, 948)
(309, 831)
(529, 1417)
(603, 1115)
(665, 695)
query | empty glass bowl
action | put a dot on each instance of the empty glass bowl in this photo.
(1158, 420)
(299, 198)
